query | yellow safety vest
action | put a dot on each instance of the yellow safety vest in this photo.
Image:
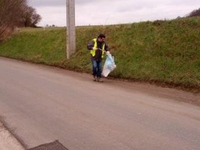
(93, 52)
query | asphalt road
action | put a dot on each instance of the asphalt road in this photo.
(41, 104)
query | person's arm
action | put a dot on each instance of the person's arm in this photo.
(107, 50)
(90, 45)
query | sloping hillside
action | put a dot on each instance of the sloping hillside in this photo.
(161, 52)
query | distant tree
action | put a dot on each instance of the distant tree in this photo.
(16, 13)
(194, 13)
(30, 18)
(10, 14)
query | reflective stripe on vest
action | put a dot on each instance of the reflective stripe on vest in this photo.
(93, 52)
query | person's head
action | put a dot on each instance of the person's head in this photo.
(101, 37)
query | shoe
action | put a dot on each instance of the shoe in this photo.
(95, 79)
(99, 80)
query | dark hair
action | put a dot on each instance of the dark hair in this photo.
(101, 36)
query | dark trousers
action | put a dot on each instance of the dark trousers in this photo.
(96, 68)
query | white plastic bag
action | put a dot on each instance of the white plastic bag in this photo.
(109, 65)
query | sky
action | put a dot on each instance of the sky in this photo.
(107, 12)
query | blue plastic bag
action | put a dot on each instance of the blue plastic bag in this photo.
(109, 65)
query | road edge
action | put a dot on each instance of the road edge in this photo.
(8, 141)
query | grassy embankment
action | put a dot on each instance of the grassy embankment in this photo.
(161, 52)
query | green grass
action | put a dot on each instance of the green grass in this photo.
(162, 52)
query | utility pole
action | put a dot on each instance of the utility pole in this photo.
(71, 31)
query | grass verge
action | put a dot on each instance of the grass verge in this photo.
(166, 53)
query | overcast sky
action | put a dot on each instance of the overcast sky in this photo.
(102, 12)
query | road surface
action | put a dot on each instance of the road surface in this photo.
(41, 104)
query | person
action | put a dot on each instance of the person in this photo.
(97, 48)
